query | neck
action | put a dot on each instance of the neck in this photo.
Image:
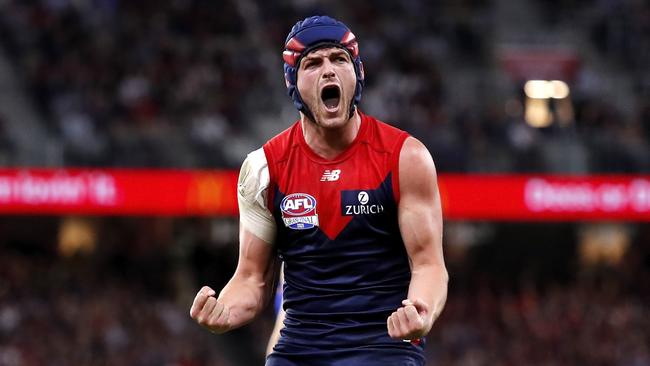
(330, 142)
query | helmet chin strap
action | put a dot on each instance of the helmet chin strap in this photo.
(305, 109)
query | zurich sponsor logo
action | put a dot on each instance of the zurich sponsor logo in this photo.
(299, 211)
(367, 203)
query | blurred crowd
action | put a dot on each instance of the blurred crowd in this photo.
(113, 306)
(52, 315)
(534, 294)
(121, 81)
(589, 322)
(199, 83)
(124, 302)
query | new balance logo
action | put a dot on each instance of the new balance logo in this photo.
(331, 175)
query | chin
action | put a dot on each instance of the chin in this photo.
(333, 119)
(333, 122)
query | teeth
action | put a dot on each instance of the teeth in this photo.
(331, 97)
(331, 102)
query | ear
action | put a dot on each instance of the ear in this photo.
(361, 71)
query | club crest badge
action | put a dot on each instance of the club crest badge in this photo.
(299, 211)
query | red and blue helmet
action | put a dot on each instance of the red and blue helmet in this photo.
(311, 34)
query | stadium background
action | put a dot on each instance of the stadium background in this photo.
(192, 86)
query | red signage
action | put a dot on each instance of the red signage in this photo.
(118, 192)
(545, 198)
(197, 192)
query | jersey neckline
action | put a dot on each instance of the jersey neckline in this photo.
(361, 134)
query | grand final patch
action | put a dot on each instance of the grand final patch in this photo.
(299, 211)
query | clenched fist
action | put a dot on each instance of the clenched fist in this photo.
(410, 322)
(209, 312)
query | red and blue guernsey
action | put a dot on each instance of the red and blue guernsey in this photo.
(345, 265)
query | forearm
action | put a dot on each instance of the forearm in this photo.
(245, 298)
(429, 283)
(245, 295)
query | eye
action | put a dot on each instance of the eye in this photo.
(310, 64)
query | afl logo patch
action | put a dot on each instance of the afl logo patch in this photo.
(299, 211)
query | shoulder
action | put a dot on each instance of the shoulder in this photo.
(415, 149)
(255, 160)
(416, 166)
(253, 176)
(252, 196)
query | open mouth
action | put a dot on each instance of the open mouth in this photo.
(331, 96)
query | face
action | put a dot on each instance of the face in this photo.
(326, 82)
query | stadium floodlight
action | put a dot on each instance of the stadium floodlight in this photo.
(559, 89)
(545, 89)
(537, 89)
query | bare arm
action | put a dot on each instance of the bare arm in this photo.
(249, 289)
(420, 222)
(247, 292)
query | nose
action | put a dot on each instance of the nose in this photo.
(328, 70)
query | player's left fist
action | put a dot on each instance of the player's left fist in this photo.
(411, 321)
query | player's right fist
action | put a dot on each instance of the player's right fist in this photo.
(209, 312)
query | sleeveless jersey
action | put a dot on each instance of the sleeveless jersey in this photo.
(345, 265)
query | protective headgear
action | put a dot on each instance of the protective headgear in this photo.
(314, 33)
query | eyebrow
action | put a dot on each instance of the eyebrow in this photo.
(336, 52)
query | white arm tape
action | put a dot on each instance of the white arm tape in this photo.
(252, 186)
